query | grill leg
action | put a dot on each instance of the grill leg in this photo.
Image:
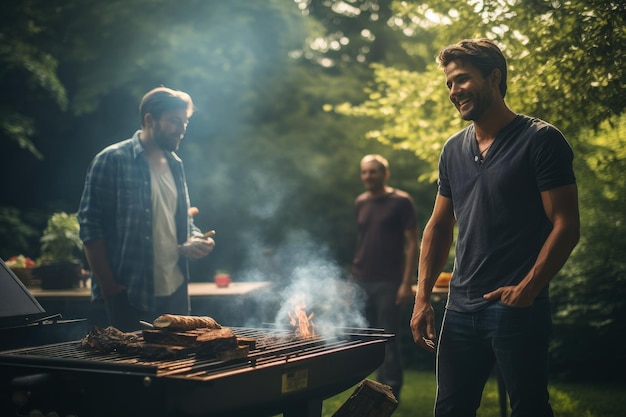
(310, 408)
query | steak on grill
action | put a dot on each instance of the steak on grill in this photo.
(111, 339)
(164, 345)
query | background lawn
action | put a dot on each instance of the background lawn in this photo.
(569, 399)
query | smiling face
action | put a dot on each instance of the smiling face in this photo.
(373, 175)
(470, 93)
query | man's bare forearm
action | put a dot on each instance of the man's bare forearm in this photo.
(434, 254)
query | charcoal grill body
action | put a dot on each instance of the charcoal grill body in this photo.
(292, 379)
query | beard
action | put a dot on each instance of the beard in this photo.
(472, 115)
(168, 142)
(481, 101)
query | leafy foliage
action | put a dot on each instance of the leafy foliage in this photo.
(27, 71)
(14, 232)
(589, 294)
(351, 34)
(568, 53)
(413, 110)
(60, 240)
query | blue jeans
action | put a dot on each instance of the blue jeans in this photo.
(516, 339)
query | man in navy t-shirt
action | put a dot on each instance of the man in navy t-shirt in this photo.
(507, 181)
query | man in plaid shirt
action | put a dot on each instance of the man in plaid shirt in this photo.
(134, 217)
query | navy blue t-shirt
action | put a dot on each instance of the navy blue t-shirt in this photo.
(497, 204)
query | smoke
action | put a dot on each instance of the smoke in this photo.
(302, 272)
(333, 303)
(267, 192)
(300, 269)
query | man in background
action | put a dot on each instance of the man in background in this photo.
(507, 181)
(385, 258)
(134, 217)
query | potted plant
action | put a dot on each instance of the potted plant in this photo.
(22, 266)
(59, 267)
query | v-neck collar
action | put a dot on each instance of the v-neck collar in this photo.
(494, 145)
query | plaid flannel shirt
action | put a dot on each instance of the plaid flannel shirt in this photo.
(116, 206)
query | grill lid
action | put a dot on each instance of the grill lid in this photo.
(18, 307)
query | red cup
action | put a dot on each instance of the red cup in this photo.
(222, 280)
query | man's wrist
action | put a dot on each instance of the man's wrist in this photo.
(423, 293)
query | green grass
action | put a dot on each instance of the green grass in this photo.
(568, 399)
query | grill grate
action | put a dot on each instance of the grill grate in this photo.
(272, 346)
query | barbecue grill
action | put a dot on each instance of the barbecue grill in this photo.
(283, 373)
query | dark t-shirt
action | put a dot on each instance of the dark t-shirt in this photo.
(380, 249)
(497, 204)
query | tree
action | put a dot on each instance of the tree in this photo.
(352, 34)
(263, 157)
(228, 55)
(589, 294)
(27, 71)
(569, 53)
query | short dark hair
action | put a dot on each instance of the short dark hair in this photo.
(482, 53)
(161, 99)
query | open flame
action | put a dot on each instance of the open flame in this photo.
(301, 321)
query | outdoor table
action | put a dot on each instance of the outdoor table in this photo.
(222, 303)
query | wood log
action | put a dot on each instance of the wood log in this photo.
(369, 399)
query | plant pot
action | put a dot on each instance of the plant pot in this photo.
(24, 274)
(58, 275)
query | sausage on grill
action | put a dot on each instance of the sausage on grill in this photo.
(182, 323)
